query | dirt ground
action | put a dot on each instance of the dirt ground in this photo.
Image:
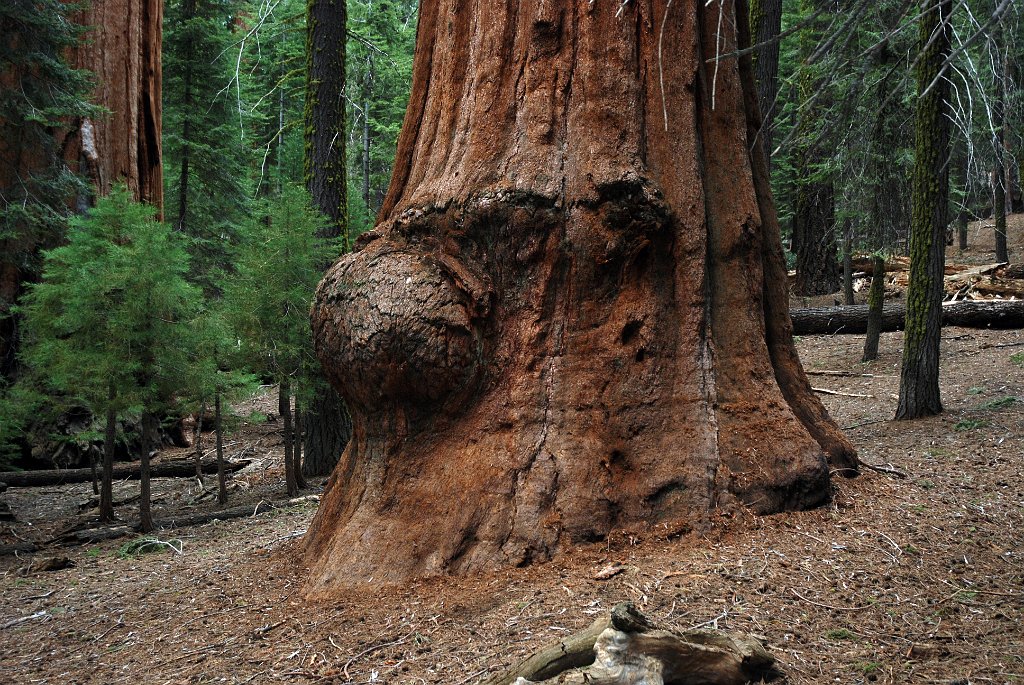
(914, 573)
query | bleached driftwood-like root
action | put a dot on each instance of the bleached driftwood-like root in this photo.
(624, 648)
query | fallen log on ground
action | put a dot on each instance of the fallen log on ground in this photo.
(18, 548)
(179, 468)
(854, 318)
(625, 647)
(81, 536)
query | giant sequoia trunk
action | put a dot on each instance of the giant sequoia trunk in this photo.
(572, 316)
(122, 50)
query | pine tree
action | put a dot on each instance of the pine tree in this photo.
(107, 323)
(269, 298)
(204, 156)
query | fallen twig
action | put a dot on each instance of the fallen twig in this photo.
(826, 391)
(829, 606)
(884, 469)
(30, 617)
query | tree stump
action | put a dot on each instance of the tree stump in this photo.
(624, 648)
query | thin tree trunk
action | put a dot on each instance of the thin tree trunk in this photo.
(848, 262)
(222, 487)
(999, 144)
(107, 486)
(876, 301)
(95, 473)
(326, 425)
(188, 14)
(197, 441)
(297, 443)
(284, 408)
(366, 154)
(145, 499)
(814, 231)
(961, 231)
(919, 377)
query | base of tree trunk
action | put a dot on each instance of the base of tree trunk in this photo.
(624, 648)
(853, 320)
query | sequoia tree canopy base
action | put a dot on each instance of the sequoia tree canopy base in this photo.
(624, 648)
(572, 316)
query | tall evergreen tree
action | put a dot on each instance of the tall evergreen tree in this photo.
(204, 155)
(269, 297)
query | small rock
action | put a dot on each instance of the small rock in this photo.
(609, 571)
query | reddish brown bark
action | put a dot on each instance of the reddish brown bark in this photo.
(122, 50)
(572, 317)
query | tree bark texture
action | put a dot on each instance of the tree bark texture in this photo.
(919, 376)
(766, 24)
(328, 426)
(328, 430)
(122, 49)
(572, 317)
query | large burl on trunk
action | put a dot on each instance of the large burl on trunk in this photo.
(572, 317)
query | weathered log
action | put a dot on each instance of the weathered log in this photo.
(79, 536)
(625, 647)
(18, 548)
(169, 469)
(853, 319)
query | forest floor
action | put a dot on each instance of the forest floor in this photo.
(912, 574)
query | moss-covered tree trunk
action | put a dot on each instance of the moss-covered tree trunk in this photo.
(328, 426)
(572, 317)
(919, 377)
(814, 210)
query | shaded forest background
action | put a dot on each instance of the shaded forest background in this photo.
(839, 109)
